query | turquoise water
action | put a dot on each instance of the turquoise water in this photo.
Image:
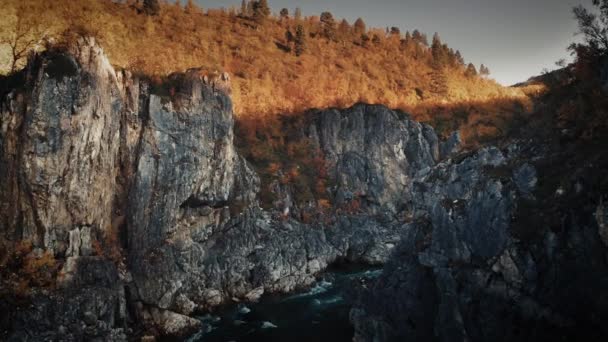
(319, 314)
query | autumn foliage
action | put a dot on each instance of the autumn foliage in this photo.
(23, 268)
(280, 64)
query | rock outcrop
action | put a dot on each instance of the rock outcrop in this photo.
(476, 265)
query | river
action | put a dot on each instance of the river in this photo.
(319, 314)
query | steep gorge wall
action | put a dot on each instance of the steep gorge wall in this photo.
(137, 191)
(498, 249)
(90, 154)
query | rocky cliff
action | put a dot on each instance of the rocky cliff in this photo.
(133, 192)
(126, 210)
(496, 250)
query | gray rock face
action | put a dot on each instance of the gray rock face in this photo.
(373, 153)
(59, 147)
(452, 145)
(461, 272)
(137, 190)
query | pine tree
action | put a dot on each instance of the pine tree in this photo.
(328, 25)
(395, 31)
(344, 29)
(408, 38)
(459, 58)
(439, 82)
(260, 10)
(300, 40)
(484, 71)
(417, 36)
(249, 11)
(297, 14)
(151, 7)
(438, 52)
(360, 27)
(244, 8)
(471, 71)
(284, 13)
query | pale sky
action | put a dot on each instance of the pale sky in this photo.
(516, 39)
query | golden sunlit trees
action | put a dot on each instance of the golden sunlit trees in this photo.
(268, 79)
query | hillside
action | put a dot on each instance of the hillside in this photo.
(338, 65)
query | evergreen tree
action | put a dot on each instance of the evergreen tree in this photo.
(459, 58)
(151, 7)
(297, 14)
(344, 29)
(439, 82)
(438, 51)
(360, 27)
(244, 8)
(328, 25)
(408, 38)
(260, 10)
(440, 61)
(250, 8)
(451, 57)
(420, 38)
(300, 40)
(484, 71)
(395, 31)
(417, 37)
(471, 71)
(284, 13)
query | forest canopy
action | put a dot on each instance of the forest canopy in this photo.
(280, 63)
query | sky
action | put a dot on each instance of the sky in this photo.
(516, 39)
